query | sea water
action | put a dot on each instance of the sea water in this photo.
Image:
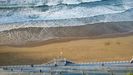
(51, 13)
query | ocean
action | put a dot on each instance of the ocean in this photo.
(54, 13)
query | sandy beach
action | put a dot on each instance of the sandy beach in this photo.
(87, 43)
(80, 50)
(111, 41)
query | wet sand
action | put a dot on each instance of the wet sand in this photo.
(20, 36)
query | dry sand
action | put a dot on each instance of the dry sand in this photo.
(80, 50)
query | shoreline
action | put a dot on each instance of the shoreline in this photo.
(68, 39)
(22, 36)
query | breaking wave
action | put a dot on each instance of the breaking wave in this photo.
(49, 2)
(66, 13)
(56, 2)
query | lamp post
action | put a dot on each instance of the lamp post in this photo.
(131, 61)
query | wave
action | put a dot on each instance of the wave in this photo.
(60, 12)
(115, 17)
(87, 12)
(57, 2)
(27, 3)
(37, 3)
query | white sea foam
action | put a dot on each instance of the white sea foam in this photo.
(66, 15)
(64, 12)
(50, 2)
